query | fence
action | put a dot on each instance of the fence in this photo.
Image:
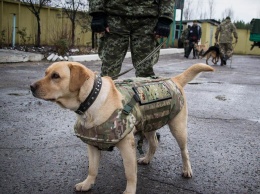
(55, 25)
(15, 17)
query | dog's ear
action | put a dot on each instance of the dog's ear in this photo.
(78, 75)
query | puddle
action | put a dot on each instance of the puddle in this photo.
(255, 120)
(17, 94)
(197, 83)
(221, 97)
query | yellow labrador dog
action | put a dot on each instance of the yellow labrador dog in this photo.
(108, 115)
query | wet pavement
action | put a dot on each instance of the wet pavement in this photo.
(39, 152)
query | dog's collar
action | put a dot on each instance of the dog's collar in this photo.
(91, 97)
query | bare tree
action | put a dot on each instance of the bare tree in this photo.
(187, 13)
(35, 7)
(71, 8)
(258, 14)
(203, 15)
(211, 8)
(198, 10)
(228, 12)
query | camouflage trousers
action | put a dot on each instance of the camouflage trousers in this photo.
(226, 49)
(138, 33)
(186, 48)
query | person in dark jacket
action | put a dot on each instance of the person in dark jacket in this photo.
(194, 37)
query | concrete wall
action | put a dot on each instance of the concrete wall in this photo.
(244, 45)
(53, 24)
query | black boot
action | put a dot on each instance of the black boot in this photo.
(223, 62)
(225, 59)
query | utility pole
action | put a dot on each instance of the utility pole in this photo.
(173, 25)
(14, 30)
(179, 4)
(181, 7)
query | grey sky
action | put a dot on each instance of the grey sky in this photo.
(243, 10)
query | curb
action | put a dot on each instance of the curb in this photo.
(13, 56)
(94, 57)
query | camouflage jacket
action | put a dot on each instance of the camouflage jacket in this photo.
(226, 29)
(148, 105)
(133, 8)
(184, 35)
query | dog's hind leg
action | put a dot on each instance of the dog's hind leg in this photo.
(128, 152)
(178, 127)
(207, 60)
(217, 59)
(214, 59)
(153, 143)
(94, 158)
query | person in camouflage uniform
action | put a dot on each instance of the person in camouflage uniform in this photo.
(184, 38)
(130, 22)
(225, 29)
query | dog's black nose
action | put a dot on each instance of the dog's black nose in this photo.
(33, 87)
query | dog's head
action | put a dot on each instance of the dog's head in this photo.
(62, 83)
(196, 47)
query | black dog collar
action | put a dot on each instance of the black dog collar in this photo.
(91, 97)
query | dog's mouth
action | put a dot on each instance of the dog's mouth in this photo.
(51, 100)
(46, 99)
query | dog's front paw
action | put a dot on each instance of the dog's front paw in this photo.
(143, 161)
(84, 186)
(187, 173)
(125, 192)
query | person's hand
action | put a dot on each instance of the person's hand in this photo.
(187, 41)
(162, 28)
(99, 23)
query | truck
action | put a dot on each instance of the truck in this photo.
(255, 32)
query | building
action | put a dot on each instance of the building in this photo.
(208, 27)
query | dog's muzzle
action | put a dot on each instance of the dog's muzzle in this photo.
(33, 88)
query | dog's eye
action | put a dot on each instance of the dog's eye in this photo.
(55, 76)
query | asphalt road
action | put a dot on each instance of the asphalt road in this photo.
(39, 152)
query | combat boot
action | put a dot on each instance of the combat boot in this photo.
(226, 58)
(223, 60)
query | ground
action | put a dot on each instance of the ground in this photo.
(40, 154)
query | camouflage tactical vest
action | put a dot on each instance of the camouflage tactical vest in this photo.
(148, 105)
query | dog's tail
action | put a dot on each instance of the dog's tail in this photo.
(190, 73)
